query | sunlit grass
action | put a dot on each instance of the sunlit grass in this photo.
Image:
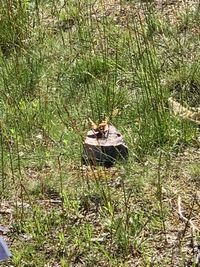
(61, 63)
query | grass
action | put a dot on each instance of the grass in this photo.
(62, 62)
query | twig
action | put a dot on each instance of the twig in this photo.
(194, 229)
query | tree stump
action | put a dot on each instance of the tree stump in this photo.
(104, 147)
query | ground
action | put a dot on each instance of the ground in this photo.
(63, 62)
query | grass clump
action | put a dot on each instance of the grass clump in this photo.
(15, 28)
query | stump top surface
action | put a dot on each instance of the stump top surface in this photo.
(111, 137)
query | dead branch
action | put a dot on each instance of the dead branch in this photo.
(194, 229)
(182, 217)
